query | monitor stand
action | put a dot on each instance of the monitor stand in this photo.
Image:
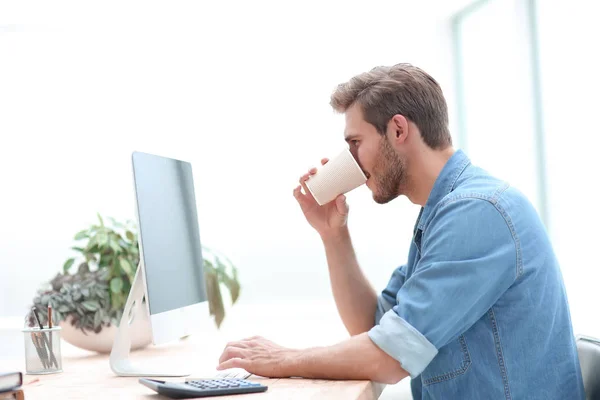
(119, 356)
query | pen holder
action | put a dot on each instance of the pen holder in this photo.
(42, 350)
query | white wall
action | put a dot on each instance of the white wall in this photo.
(569, 35)
(240, 89)
(498, 94)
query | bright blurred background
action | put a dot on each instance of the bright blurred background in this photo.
(241, 89)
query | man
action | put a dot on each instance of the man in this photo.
(479, 311)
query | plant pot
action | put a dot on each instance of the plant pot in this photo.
(102, 342)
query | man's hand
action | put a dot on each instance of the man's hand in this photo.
(327, 219)
(259, 356)
(354, 358)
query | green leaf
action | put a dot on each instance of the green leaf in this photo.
(116, 285)
(64, 308)
(104, 261)
(114, 245)
(83, 268)
(68, 265)
(102, 239)
(114, 301)
(234, 288)
(91, 244)
(79, 249)
(126, 266)
(91, 305)
(130, 235)
(104, 274)
(102, 294)
(81, 235)
(100, 219)
(98, 319)
(221, 268)
(57, 317)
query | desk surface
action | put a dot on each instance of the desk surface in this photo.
(88, 375)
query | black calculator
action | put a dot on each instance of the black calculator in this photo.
(203, 388)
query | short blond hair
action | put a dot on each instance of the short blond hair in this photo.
(400, 89)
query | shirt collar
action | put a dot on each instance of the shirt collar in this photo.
(444, 183)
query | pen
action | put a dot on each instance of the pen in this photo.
(44, 339)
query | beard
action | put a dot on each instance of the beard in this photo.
(389, 173)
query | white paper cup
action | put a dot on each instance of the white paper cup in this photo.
(340, 175)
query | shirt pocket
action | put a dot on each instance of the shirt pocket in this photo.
(451, 361)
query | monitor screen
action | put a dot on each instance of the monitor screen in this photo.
(169, 234)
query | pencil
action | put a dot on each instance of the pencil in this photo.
(52, 359)
(50, 327)
(36, 344)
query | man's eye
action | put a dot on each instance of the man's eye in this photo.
(354, 142)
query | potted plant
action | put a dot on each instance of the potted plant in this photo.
(89, 295)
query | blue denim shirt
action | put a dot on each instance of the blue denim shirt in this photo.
(480, 309)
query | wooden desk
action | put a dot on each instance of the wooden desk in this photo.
(88, 376)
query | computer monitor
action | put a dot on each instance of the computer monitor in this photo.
(170, 276)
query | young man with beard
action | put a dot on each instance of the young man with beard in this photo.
(479, 311)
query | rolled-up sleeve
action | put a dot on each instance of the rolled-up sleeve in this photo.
(403, 342)
(468, 261)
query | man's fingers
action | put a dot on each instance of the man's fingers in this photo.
(298, 192)
(305, 199)
(242, 344)
(304, 178)
(341, 205)
(234, 363)
(232, 352)
(308, 194)
(300, 197)
(252, 338)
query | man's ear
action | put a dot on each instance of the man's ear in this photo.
(398, 128)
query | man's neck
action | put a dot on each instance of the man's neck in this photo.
(424, 171)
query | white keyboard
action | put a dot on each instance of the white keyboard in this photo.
(232, 373)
